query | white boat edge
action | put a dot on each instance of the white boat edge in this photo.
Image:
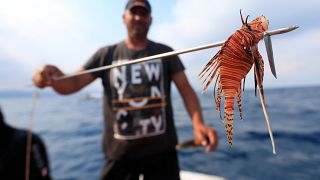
(188, 175)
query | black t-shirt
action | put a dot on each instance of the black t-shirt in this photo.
(137, 101)
(13, 156)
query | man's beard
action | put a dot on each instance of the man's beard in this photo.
(139, 31)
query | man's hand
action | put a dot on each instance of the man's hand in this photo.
(45, 76)
(205, 136)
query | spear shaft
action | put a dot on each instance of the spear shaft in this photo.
(167, 54)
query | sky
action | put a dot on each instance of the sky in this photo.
(66, 33)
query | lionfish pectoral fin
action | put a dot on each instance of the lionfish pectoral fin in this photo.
(258, 72)
(260, 89)
(255, 84)
(239, 101)
(209, 65)
(268, 43)
(210, 77)
(258, 69)
(210, 71)
(217, 95)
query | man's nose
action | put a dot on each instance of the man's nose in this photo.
(137, 17)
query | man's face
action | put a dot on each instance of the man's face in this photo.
(138, 21)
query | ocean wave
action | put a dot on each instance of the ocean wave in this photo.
(311, 137)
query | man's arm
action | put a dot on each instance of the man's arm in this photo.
(45, 77)
(202, 133)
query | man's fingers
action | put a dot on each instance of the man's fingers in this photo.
(37, 79)
(207, 137)
(204, 141)
(44, 76)
(212, 135)
(38, 84)
(49, 72)
(201, 138)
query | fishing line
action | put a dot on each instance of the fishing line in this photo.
(35, 99)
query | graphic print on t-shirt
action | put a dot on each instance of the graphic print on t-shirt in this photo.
(138, 100)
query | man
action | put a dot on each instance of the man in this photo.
(13, 154)
(140, 136)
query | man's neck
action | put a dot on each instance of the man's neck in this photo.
(136, 44)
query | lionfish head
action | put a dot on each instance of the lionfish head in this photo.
(259, 24)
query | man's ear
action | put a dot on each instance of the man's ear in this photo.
(123, 18)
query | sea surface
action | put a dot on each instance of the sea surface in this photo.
(72, 127)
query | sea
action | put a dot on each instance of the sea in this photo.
(72, 126)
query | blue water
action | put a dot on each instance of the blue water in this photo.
(72, 126)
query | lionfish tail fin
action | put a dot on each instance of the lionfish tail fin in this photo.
(229, 116)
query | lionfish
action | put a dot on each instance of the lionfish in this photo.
(231, 64)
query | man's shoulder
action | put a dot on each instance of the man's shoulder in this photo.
(109, 46)
(159, 45)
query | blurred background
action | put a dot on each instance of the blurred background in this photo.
(67, 33)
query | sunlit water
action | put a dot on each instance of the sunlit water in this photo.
(72, 126)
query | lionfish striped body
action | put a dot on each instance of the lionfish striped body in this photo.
(232, 63)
